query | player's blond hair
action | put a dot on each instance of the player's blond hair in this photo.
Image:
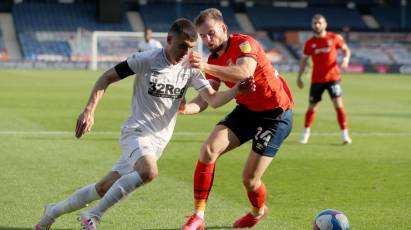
(212, 13)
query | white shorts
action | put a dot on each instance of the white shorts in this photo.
(135, 144)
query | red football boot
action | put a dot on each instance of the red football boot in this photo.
(248, 220)
(194, 223)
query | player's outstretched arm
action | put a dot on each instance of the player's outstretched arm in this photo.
(197, 105)
(242, 69)
(347, 56)
(216, 98)
(86, 119)
(303, 64)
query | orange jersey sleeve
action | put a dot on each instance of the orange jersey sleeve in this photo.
(271, 89)
(339, 41)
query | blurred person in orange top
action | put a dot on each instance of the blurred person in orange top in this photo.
(322, 47)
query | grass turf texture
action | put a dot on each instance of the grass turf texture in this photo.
(41, 161)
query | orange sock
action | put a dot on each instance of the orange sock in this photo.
(342, 118)
(203, 181)
(257, 199)
(309, 118)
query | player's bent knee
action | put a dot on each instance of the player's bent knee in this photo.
(208, 153)
(148, 175)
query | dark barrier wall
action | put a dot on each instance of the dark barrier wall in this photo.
(110, 11)
(6, 5)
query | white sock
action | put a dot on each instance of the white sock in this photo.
(78, 200)
(121, 188)
(307, 130)
(200, 213)
(344, 132)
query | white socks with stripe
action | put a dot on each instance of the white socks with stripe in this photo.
(120, 189)
(78, 200)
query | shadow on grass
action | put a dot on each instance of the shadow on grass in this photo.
(23, 228)
(340, 144)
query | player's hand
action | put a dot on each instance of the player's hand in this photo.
(344, 64)
(84, 123)
(300, 83)
(182, 107)
(246, 86)
(195, 60)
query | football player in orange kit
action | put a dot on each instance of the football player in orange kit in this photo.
(322, 48)
(263, 116)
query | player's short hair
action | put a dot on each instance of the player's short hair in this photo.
(212, 13)
(147, 28)
(318, 17)
(184, 28)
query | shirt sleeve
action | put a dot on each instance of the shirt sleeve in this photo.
(123, 70)
(198, 81)
(339, 41)
(248, 47)
(136, 62)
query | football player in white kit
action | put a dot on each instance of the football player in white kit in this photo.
(149, 42)
(162, 77)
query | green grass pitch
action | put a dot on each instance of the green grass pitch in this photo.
(41, 161)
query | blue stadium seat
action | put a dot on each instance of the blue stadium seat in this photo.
(33, 17)
(160, 15)
(269, 17)
(390, 17)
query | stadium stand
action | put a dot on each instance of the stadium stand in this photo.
(52, 19)
(370, 53)
(160, 15)
(275, 51)
(51, 31)
(339, 2)
(3, 51)
(374, 52)
(270, 18)
(390, 17)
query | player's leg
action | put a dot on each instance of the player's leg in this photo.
(225, 136)
(145, 170)
(77, 200)
(267, 141)
(335, 92)
(137, 165)
(316, 91)
(221, 140)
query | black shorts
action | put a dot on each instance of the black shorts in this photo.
(317, 89)
(268, 129)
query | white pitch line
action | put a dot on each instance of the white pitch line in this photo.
(63, 133)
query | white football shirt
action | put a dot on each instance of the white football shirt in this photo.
(152, 44)
(159, 87)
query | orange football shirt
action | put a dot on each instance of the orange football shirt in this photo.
(323, 51)
(271, 89)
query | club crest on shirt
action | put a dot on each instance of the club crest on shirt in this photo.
(245, 47)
